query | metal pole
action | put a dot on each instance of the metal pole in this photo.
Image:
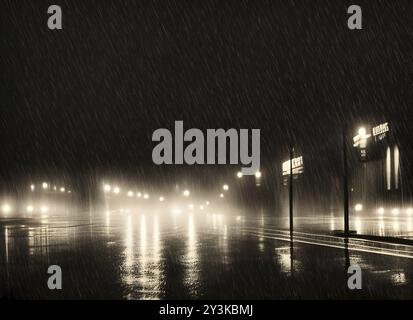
(345, 185)
(291, 191)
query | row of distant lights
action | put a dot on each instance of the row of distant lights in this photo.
(186, 193)
(395, 211)
(6, 208)
(116, 190)
(46, 186)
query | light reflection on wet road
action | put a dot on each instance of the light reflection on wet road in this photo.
(178, 255)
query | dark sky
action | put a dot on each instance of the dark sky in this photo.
(91, 95)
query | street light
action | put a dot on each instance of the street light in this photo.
(107, 188)
(221, 195)
(395, 211)
(45, 185)
(380, 210)
(362, 132)
(186, 193)
(130, 193)
(62, 189)
(116, 190)
(5, 208)
(225, 187)
(361, 139)
(239, 174)
(29, 208)
(258, 174)
(358, 207)
(146, 196)
(161, 199)
(32, 187)
(139, 194)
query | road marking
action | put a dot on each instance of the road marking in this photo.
(351, 246)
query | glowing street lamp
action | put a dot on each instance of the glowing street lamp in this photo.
(107, 188)
(29, 208)
(225, 187)
(116, 190)
(146, 196)
(32, 187)
(187, 193)
(44, 209)
(380, 210)
(395, 211)
(221, 195)
(358, 207)
(62, 189)
(161, 199)
(258, 174)
(239, 174)
(6, 208)
(139, 194)
(45, 185)
(362, 132)
(360, 140)
(130, 193)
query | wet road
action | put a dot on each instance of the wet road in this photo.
(122, 254)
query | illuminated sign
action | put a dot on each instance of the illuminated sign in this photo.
(297, 166)
(372, 150)
(379, 132)
(360, 141)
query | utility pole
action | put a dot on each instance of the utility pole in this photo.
(290, 193)
(345, 184)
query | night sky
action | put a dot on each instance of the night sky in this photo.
(89, 97)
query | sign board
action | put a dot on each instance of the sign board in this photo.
(297, 166)
(380, 132)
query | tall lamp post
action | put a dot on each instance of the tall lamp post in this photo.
(291, 191)
(360, 141)
(345, 185)
(291, 167)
